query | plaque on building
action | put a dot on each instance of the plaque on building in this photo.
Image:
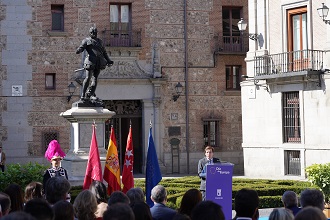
(174, 131)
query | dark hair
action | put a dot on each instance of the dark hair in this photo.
(141, 211)
(246, 203)
(312, 197)
(15, 193)
(4, 202)
(119, 211)
(135, 195)
(33, 190)
(189, 200)
(310, 213)
(289, 199)
(63, 210)
(207, 210)
(57, 189)
(99, 190)
(39, 208)
(18, 215)
(118, 197)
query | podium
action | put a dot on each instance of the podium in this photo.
(219, 186)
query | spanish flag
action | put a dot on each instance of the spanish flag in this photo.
(112, 169)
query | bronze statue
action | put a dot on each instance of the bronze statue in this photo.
(96, 60)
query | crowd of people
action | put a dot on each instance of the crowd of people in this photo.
(51, 200)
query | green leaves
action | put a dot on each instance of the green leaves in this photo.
(319, 175)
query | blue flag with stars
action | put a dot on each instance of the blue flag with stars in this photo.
(153, 174)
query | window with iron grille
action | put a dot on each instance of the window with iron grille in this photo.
(233, 74)
(120, 25)
(57, 17)
(211, 132)
(292, 163)
(47, 138)
(291, 118)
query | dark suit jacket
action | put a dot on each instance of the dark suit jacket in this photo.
(161, 212)
(202, 169)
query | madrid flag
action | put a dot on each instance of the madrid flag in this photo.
(127, 177)
(93, 170)
(111, 169)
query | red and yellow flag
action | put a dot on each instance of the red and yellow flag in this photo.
(111, 169)
(127, 177)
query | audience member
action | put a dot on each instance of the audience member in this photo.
(33, 190)
(207, 210)
(85, 205)
(179, 216)
(160, 211)
(18, 215)
(281, 214)
(57, 189)
(14, 191)
(141, 211)
(189, 200)
(246, 204)
(312, 197)
(4, 203)
(99, 190)
(63, 210)
(119, 211)
(40, 209)
(310, 213)
(118, 196)
(290, 201)
(135, 195)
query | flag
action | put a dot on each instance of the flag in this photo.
(111, 169)
(127, 178)
(153, 174)
(94, 169)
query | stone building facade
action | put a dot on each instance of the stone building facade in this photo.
(167, 42)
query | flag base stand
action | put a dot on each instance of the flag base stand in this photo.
(81, 119)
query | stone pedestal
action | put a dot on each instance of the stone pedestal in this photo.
(81, 119)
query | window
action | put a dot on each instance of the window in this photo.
(47, 138)
(57, 17)
(231, 35)
(211, 132)
(291, 117)
(50, 81)
(120, 25)
(297, 38)
(292, 162)
(233, 74)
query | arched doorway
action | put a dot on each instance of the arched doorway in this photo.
(127, 112)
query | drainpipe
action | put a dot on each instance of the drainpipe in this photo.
(186, 80)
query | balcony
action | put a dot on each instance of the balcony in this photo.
(121, 38)
(289, 64)
(232, 44)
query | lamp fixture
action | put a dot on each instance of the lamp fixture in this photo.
(71, 89)
(323, 13)
(255, 82)
(178, 90)
(242, 27)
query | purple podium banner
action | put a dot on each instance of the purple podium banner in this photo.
(219, 186)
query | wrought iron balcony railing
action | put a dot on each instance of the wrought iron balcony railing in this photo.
(233, 44)
(121, 38)
(287, 64)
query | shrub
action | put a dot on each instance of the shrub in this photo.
(319, 175)
(21, 174)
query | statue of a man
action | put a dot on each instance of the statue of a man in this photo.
(96, 60)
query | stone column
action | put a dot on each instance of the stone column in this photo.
(81, 119)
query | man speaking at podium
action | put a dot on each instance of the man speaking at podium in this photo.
(202, 163)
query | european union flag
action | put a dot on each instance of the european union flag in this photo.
(153, 174)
